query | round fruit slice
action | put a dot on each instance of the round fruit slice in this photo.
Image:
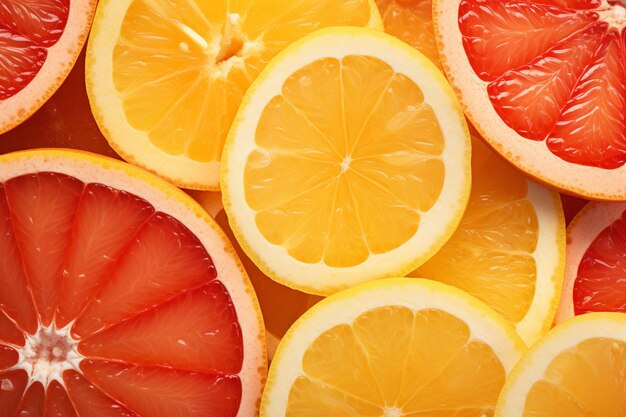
(544, 82)
(411, 21)
(165, 78)
(397, 347)
(349, 160)
(578, 369)
(596, 261)
(509, 249)
(119, 294)
(39, 43)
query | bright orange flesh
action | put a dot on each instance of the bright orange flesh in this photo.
(322, 152)
(182, 67)
(139, 291)
(392, 361)
(586, 380)
(556, 72)
(412, 22)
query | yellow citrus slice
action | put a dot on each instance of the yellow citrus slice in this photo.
(577, 370)
(396, 347)
(349, 160)
(411, 21)
(165, 77)
(509, 249)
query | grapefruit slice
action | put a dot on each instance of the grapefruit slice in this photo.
(577, 370)
(165, 78)
(544, 82)
(349, 160)
(596, 261)
(509, 249)
(391, 348)
(119, 294)
(39, 43)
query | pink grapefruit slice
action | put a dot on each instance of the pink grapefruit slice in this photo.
(120, 296)
(39, 43)
(595, 270)
(544, 82)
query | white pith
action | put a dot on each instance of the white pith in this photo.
(613, 14)
(343, 308)
(45, 363)
(171, 200)
(582, 231)
(528, 155)
(436, 224)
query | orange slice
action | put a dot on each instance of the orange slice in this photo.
(596, 261)
(39, 43)
(578, 369)
(397, 347)
(349, 160)
(411, 21)
(119, 293)
(509, 249)
(165, 78)
(544, 82)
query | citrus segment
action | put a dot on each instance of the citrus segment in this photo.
(33, 402)
(411, 21)
(135, 273)
(596, 261)
(39, 43)
(177, 72)
(509, 249)
(337, 118)
(88, 399)
(163, 392)
(97, 247)
(397, 347)
(576, 370)
(13, 384)
(177, 334)
(43, 208)
(15, 299)
(544, 82)
(57, 402)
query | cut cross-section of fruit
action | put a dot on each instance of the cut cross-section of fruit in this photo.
(411, 21)
(509, 249)
(349, 160)
(576, 370)
(396, 347)
(165, 78)
(596, 261)
(39, 43)
(544, 82)
(119, 294)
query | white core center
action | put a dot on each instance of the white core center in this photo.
(614, 13)
(47, 354)
(345, 164)
(392, 412)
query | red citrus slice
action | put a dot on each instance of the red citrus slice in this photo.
(39, 43)
(544, 81)
(120, 296)
(596, 261)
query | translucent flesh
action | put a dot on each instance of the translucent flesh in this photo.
(420, 363)
(340, 133)
(490, 255)
(556, 72)
(136, 287)
(586, 380)
(27, 29)
(182, 66)
(600, 284)
(411, 21)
